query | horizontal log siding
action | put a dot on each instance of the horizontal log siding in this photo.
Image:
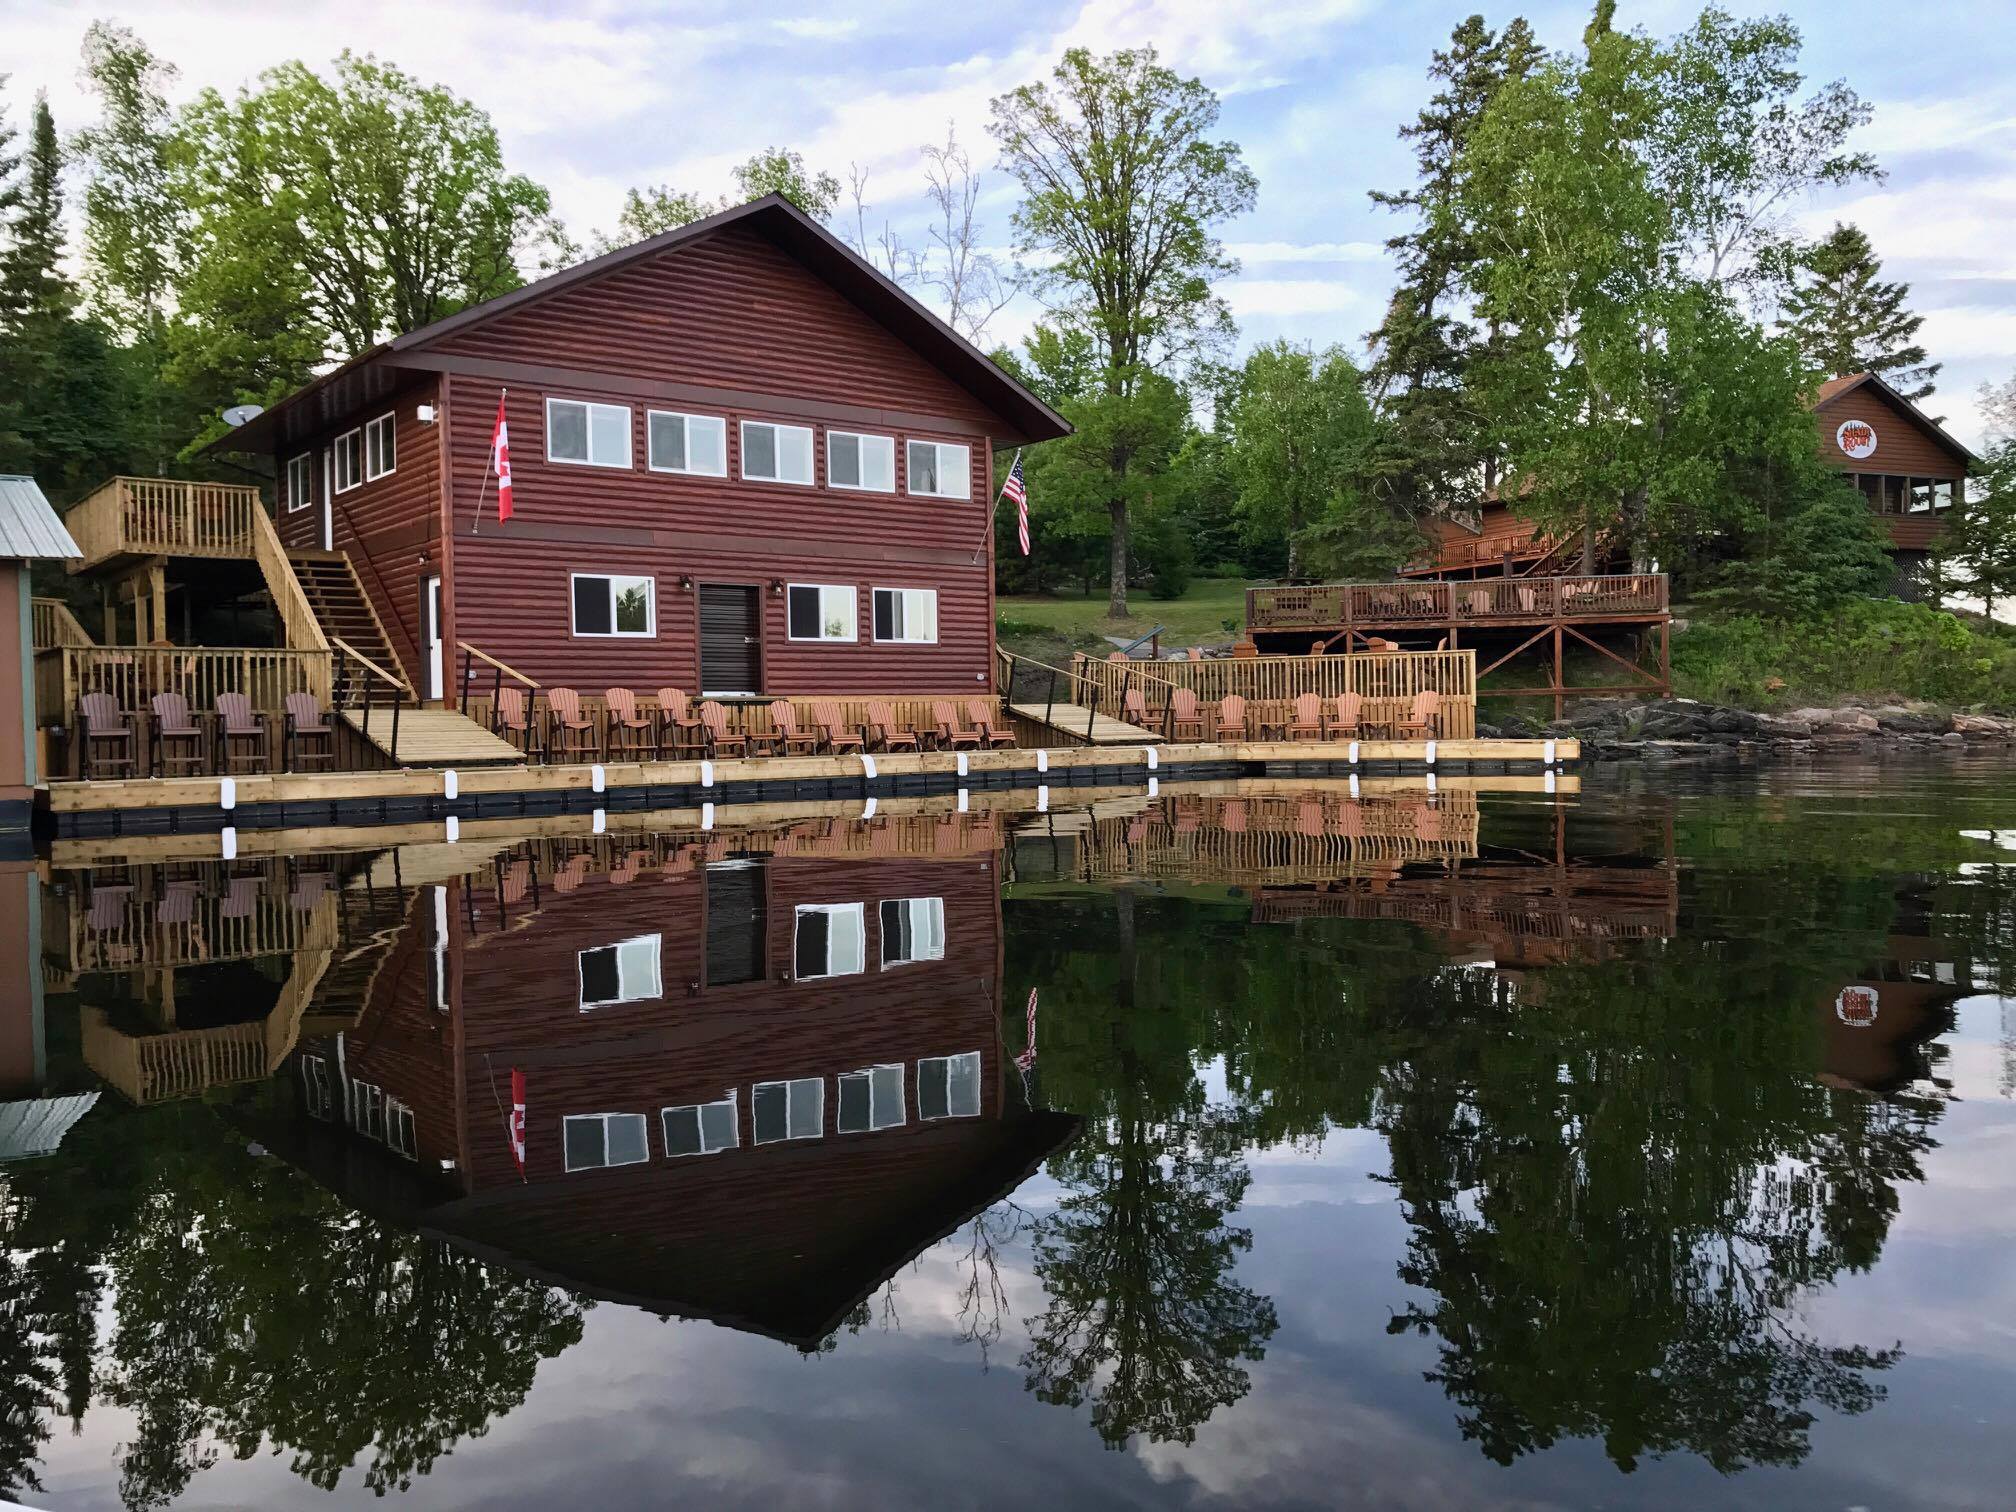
(512, 579)
(1905, 445)
(733, 311)
(389, 527)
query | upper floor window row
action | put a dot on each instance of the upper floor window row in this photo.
(586, 434)
(300, 480)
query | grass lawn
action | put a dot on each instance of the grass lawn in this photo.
(1196, 619)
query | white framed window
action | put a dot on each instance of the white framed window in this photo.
(587, 435)
(626, 972)
(939, 469)
(679, 443)
(776, 453)
(871, 1099)
(907, 614)
(913, 929)
(701, 1128)
(612, 604)
(367, 1109)
(315, 1090)
(590, 1141)
(300, 481)
(948, 1086)
(347, 457)
(821, 612)
(828, 940)
(789, 1109)
(378, 448)
(400, 1134)
(862, 462)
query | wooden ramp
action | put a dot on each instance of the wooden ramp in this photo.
(434, 738)
(1069, 722)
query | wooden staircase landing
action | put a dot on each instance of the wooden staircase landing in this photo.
(433, 738)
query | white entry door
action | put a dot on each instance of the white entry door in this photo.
(430, 633)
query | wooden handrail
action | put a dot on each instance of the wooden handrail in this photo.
(55, 625)
(490, 661)
(370, 666)
(304, 630)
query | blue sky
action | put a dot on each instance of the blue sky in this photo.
(593, 98)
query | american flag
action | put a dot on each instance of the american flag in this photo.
(1016, 490)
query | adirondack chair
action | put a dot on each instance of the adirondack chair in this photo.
(1134, 708)
(983, 718)
(107, 742)
(1232, 814)
(569, 732)
(310, 737)
(1309, 818)
(1308, 723)
(309, 890)
(573, 874)
(834, 735)
(243, 739)
(627, 733)
(241, 898)
(1185, 717)
(513, 720)
(1422, 718)
(1350, 714)
(882, 727)
(178, 738)
(1231, 721)
(679, 733)
(721, 742)
(791, 741)
(952, 736)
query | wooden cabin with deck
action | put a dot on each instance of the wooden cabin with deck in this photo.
(744, 465)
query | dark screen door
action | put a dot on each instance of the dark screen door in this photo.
(735, 932)
(731, 639)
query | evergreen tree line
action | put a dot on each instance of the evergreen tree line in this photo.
(1599, 305)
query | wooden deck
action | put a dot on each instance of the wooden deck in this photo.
(1080, 725)
(432, 738)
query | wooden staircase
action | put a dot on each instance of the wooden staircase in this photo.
(329, 583)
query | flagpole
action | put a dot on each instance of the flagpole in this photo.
(489, 467)
(996, 509)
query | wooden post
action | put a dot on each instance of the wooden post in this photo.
(1557, 669)
(157, 582)
(1666, 658)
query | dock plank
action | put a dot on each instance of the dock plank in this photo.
(1070, 719)
(433, 738)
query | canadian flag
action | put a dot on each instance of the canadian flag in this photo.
(517, 1124)
(500, 463)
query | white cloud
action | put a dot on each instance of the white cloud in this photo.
(1250, 253)
(1295, 296)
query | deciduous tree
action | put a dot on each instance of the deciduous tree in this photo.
(1122, 186)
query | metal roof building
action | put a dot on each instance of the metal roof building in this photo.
(30, 529)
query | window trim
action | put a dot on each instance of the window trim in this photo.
(980, 1099)
(882, 929)
(612, 633)
(336, 460)
(689, 416)
(390, 423)
(298, 499)
(910, 476)
(902, 640)
(875, 1126)
(731, 1098)
(607, 1165)
(853, 635)
(657, 973)
(861, 487)
(787, 1083)
(628, 463)
(856, 910)
(811, 453)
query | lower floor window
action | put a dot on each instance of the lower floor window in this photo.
(829, 940)
(593, 1140)
(948, 1086)
(613, 605)
(701, 1128)
(913, 929)
(820, 611)
(906, 614)
(871, 1099)
(789, 1109)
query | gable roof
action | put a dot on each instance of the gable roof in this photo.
(30, 530)
(371, 374)
(1848, 383)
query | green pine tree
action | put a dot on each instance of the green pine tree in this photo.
(1433, 450)
(1847, 319)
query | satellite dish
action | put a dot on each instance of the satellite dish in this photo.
(238, 414)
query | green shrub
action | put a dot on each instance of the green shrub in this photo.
(1874, 648)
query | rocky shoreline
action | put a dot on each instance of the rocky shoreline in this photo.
(1617, 729)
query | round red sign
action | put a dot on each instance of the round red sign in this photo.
(1857, 438)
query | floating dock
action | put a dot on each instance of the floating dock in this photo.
(172, 805)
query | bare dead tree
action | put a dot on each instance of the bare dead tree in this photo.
(974, 285)
(886, 251)
(983, 1300)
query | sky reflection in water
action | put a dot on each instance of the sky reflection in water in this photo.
(1647, 1146)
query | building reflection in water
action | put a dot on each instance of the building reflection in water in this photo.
(764, 1069)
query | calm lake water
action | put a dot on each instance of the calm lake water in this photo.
(1648, 1145)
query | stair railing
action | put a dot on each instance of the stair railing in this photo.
(375, 681)
(498, 672)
